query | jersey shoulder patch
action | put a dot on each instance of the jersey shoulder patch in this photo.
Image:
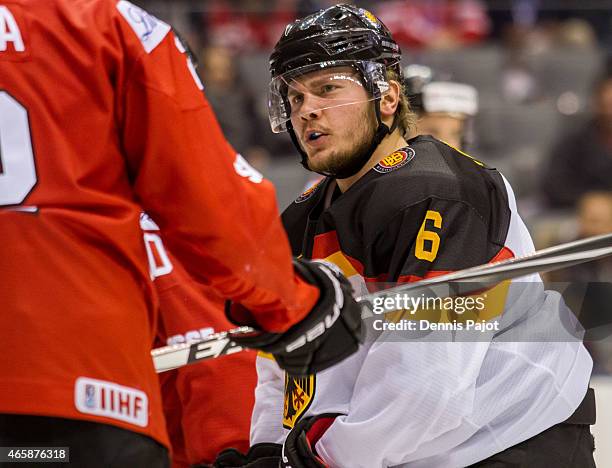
(395, 160)
(310, 191)
(149, 29)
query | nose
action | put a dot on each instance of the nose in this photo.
(310, 108)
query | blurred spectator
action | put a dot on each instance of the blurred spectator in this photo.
(518, 82)
(588, 291)
(582, 162)
(233, 103)
(523, 39)
(436, 24)
(576, 33)
(445, 108)
(595, 218)
(532, 44)
(527, 14)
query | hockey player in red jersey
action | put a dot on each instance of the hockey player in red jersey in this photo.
(102, 115)
(204, 405)
(393, 210)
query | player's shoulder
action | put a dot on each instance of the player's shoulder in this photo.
(102, 23)
(88, 14)
(428, 168)
(136, 27)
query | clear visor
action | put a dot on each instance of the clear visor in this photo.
(322, 86)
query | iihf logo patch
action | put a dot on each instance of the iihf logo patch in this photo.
(395, 160)
(111, 400)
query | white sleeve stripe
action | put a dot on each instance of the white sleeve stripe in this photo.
(190, 65)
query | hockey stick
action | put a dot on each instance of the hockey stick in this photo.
(472, 280)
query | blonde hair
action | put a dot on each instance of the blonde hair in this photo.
(406, 117)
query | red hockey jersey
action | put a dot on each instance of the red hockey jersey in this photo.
(102, 115)
(208, 405)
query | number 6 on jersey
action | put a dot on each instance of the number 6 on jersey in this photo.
(17, 169)
(421, 251)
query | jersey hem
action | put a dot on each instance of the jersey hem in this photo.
(20, 397)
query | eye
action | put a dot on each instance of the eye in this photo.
(328, 88)
(296, 99)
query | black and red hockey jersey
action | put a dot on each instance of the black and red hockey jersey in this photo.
(424, 210)
(426, 401)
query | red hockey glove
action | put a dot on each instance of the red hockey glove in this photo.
(330, 333)
(299, 447)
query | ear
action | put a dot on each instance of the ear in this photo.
(389, 102)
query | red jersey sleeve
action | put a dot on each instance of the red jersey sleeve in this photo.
(216, 213)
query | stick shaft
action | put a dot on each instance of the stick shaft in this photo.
(473, 280)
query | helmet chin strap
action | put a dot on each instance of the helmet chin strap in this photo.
(359, 160)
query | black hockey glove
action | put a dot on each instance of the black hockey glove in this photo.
(265, 455)
(330, 333)
(299, 447)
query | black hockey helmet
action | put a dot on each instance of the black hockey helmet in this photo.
(337, 36)
(341, 32)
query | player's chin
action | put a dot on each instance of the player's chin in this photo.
(318, 160)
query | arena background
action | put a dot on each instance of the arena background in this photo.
(535, 64)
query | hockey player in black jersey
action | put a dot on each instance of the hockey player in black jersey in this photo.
(397, 210)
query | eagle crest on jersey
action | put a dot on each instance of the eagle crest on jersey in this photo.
(299, 393)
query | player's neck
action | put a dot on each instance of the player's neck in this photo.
(389, 144)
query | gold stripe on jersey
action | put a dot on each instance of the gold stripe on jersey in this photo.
(261, 354)
(339, 259)
(480, 163)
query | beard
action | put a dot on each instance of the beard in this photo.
(361, 135)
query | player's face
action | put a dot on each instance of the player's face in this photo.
(443, 127)
(332, 116)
